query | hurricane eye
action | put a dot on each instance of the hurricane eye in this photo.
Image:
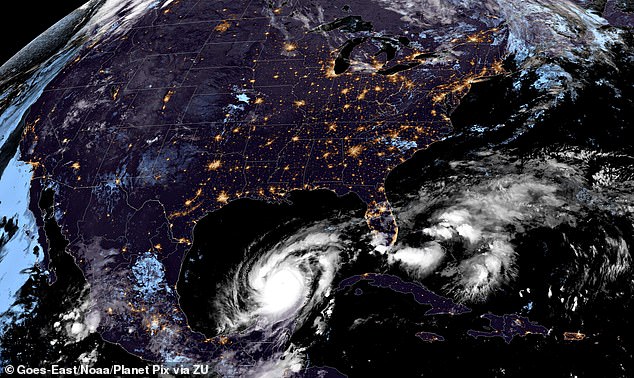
(281, 291)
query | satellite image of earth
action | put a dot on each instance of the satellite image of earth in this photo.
(320, 188)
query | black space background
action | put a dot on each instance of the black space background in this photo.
(28, 19)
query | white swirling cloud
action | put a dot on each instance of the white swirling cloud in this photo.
(282, 285)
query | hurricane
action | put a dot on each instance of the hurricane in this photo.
(279, 287)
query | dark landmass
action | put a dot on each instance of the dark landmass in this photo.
(429, 337)
(143, 135)
(36, 334)
(574, 336)
(439, 305)
(508, 326)
(619, 13)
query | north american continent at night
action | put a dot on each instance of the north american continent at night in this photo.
(146, 133)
